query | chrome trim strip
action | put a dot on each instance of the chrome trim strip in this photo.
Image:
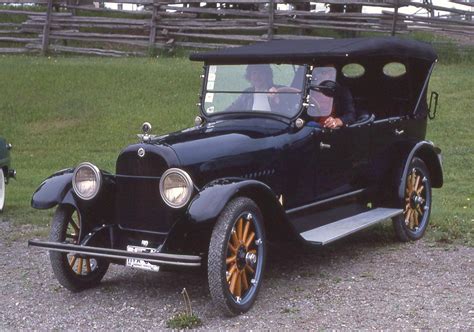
(325, 201)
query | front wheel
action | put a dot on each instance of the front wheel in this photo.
(237, 256)
(74, 271)
(411, 225)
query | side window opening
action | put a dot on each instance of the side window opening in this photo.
(394, 69)
(353, 70)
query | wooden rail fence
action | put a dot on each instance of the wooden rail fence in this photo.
(45, 26)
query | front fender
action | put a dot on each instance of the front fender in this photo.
(57, 189)
(431, 155)
(53, 190)
(211, 200)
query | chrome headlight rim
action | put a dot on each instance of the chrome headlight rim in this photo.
(98, 176)
(189, 186)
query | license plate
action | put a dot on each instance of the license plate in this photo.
(141, 263)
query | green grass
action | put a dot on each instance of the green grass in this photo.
(184, 321)
(60, 111)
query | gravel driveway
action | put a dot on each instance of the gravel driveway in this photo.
(363, 282)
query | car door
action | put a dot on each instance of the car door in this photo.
(385, 136)
(341, 160)
(340, 155)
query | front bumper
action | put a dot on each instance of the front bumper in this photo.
(156, 258)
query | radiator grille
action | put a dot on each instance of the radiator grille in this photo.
(139, 205)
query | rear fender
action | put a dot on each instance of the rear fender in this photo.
(431, 155)
(208, 204)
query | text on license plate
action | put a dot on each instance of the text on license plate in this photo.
(141, 263)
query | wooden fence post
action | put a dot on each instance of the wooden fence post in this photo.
(46, 28)
(152, 39)
(271, 18)
(395, 17)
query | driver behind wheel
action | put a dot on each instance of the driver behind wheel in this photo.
(261, 96)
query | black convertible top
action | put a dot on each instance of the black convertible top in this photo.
(308, 50)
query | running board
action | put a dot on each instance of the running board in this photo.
(338, 229)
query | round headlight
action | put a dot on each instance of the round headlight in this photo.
(86, 181)
(176, 187)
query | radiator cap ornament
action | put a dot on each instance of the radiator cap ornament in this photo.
(146, 136)
(146, 128)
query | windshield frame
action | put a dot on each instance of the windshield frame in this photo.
(304, 94)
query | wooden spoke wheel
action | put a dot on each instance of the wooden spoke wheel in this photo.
(73, 271)
(237, 256)
(412, 224)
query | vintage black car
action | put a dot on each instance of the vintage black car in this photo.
(6, 172)
(263, 163)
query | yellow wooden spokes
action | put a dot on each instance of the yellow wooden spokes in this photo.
(233, 282)
(72, 262)
(249, 240)
(79, 266)
(235, 239)
(245, 284)
(238, 285)
(231, 272)
(232, 249)
(249, 269)
(246, 231)
(230, 259)
(238, 277)
(414, 187)
(239, 230)
(88, 265)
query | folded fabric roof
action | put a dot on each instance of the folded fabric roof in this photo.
(309, 50)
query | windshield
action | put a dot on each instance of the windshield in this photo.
(254, 88)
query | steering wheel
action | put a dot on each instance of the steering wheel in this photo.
(287, 89)
(288, 103)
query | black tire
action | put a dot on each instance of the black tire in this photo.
(74, 272)
(416, 204)
(235, 288)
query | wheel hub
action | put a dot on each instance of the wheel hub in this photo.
(415, 200)
(241, 257)
(251, 258)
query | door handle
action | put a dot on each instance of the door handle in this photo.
(399, 132)
(323, 146)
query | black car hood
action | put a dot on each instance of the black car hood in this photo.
(225, 144)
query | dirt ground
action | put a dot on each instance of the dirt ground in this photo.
(363, 282)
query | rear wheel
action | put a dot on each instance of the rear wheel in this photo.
(73, 271)
(2, 190)
(237, 256)
(411, 225)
